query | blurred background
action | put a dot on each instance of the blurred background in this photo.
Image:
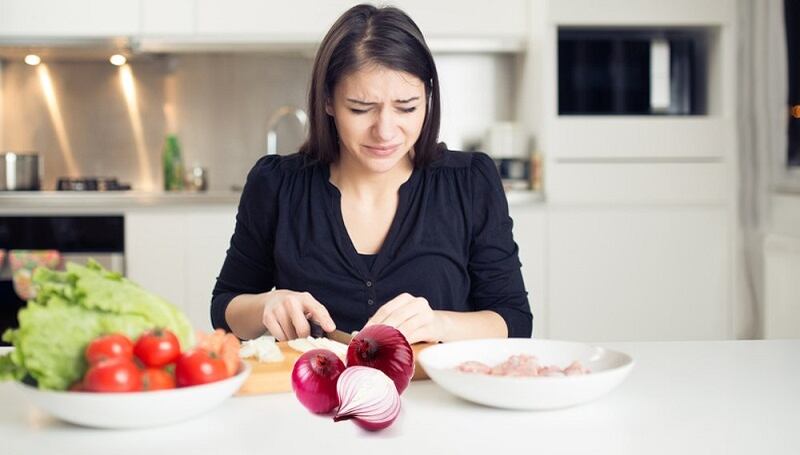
(650, 150)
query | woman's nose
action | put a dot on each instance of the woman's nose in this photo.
(385, 128)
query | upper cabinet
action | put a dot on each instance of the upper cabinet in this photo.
(468, 18)
(170, 18)
(465, 25)
(21, 19)
(310, 19)
(305, 22)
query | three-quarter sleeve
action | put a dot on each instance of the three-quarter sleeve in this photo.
(249, 264)
(494, 266)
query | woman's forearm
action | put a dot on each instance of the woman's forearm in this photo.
(478, 324)
(244, 315)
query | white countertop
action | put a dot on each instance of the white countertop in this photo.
(727, 397)
(24, 202)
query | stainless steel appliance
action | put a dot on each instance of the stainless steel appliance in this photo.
(91, 184)
(20, 171)
(77, 238)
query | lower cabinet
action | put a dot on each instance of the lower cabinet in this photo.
(593, 273)
(177, 254)
(530, 225)
(781, 309)
(638, 273)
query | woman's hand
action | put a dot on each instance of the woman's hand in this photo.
(286, 314)
(413, 317)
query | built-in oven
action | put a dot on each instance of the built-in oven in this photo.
(75, 238)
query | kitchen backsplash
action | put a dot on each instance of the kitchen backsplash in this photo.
(221, 104)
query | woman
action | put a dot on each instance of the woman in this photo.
(373, 221)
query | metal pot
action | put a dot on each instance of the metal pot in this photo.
(20, 171)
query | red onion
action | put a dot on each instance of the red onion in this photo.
(368, 397)
(385, 348)
(314, 380)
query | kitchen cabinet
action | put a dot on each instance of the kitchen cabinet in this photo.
(212, 24)
(75, 18)
(638, 12)
(304, 20)
(475, 18)
(593, 272)
(167, 18)
(530, 225)
(638, 273)
(781, 309)
(780, 314)
(642, 213)
(177, 254)
(638, 183)
(307, 21)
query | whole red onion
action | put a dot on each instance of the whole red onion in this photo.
(385, 348)
(314, 379)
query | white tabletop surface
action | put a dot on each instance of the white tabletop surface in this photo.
(727, 397)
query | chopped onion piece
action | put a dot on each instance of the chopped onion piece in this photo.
(301, 344)
(262, 348)
(309, 343)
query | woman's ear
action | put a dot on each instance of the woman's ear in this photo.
(329, 107)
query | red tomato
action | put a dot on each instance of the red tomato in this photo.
(157, 379)
(113, 375)
(157, 348)
(199, 367)
(109, 347)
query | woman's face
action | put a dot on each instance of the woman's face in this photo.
(378, 114)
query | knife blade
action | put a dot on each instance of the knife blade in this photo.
(340, 336)
(336, 335)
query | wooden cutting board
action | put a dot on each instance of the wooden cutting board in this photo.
(276, 377)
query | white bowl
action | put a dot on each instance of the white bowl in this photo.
(136, 409)
(608, 369)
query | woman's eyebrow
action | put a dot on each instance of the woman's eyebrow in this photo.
(367, 103)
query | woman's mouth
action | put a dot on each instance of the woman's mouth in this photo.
(381, 150)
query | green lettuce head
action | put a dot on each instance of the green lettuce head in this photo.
(72, 308)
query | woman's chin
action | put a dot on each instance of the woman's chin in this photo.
(380, 165)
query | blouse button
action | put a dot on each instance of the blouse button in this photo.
(369, 284)
(370, 302)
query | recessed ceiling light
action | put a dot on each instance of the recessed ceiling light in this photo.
(33, 59)
(118, 59)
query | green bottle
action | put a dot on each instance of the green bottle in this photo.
(173, 164)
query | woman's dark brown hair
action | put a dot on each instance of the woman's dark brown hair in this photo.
(367, 35)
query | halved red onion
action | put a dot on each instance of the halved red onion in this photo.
(385, 348)
(314, 379)
(367, 396)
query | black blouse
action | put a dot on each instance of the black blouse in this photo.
(450, 242)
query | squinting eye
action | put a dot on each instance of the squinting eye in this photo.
(409, 110)
(357, 111)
